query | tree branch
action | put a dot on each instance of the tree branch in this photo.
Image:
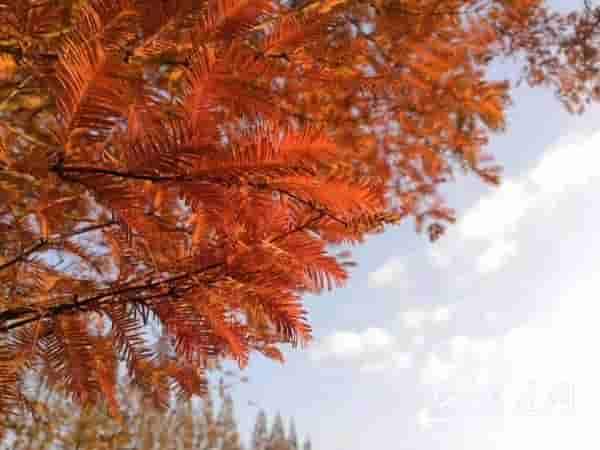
(62, 169)
(45, 242)
(101, 298)
(34, 248)
(14, 92)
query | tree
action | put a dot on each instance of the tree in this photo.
(230, 438)
(58, 423)
(192, 165)
(293, 436)
(55, 421)
(260, 434)
(277, 438)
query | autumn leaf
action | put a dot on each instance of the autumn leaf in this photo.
(8, 67)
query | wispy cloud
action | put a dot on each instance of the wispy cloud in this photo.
(348, 345)
(496, 256)
(370, 350)
(497, 213)
(417, 318)
(572, 162)
(490, 232)
(391, 274)
(382, 349)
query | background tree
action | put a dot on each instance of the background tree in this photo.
(191, 165)
(277, 438)
(56, 423)
(293, 436)
(230, 438)
(260, 433)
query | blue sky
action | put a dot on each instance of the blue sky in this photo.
(485, 338)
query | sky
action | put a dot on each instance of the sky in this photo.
(484, 339)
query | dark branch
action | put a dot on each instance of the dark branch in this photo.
(46, 242)
(34, 248)
(75, 305)
(62, 170)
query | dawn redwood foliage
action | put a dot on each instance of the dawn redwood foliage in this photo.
(187, 166)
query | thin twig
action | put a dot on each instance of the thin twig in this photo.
(108, 296)
(27, 136)
(34, 248)
(49, 241)
(14, 92)
(61, 170)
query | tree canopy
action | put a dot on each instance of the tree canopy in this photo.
(176, 174)
(56, 422)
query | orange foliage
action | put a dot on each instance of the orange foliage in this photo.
(185, 166)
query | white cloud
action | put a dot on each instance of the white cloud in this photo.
(550, 382)
(543, 374)
(436, 371)
(461, 361)
(403, 360)
(342, 345)
(441, 314)
(493, 221)
(371, 350)
(376, 339)
(496, 256)
(350, 345)
(425, 420)
(497, 213)
(418, 340)
(416, 319)
(391, 273)
(396, 361)
(563, 345)
(463, 349)
(575, 161)
(377, 349)
(491, 232)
